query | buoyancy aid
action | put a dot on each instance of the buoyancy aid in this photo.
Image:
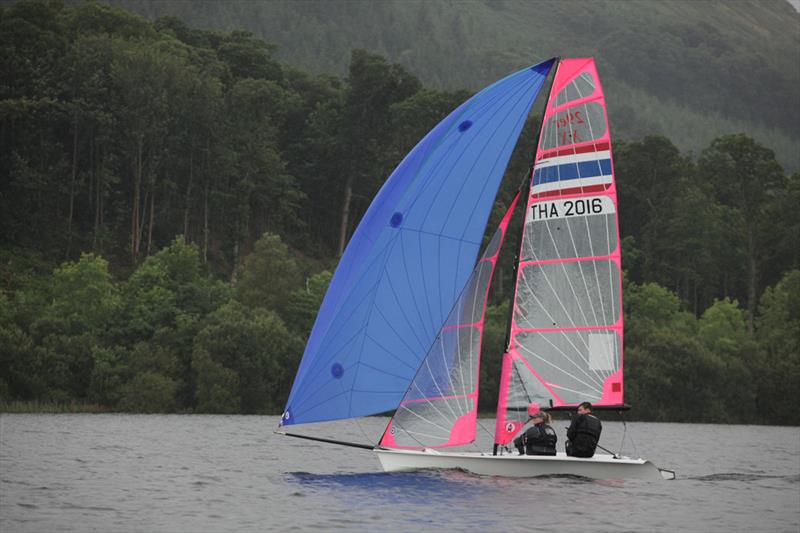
(591, 426)
(583, 434)
(540, 439)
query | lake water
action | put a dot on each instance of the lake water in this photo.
(231, 473)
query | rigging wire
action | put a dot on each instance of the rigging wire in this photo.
(624, 432)
(477, 420)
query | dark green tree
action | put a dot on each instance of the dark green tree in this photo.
(149, 392)
(746, 178)
(649, 174)
(492, 348)
(165, 301)
(20, 375)
(669, 373)
(723, 331)
(269, 276)
(304, 303)
(82, 303)
(217, 387)
(266, 197)
(778, 333)
(249, 355)
(373, 86)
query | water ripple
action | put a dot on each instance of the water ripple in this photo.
(228, 473)
(736, 476)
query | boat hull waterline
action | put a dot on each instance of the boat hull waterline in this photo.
(597, 467)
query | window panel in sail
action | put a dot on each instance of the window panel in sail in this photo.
(422, 424)
(568, 294)
(449, 368)
(473, 299)
(580, 123)
(576, 227)
(575, 364)
(494, 244)
(581, 87)
(524, 389)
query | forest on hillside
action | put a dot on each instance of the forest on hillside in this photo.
(689, 70)
(174, 200)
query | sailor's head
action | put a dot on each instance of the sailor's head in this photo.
(537, 417)
(584, 407)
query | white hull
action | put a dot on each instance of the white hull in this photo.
(597, 467)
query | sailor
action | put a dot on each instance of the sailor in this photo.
(584, 432)
(540, 439)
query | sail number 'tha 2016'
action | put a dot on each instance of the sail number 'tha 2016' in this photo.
(567, 208)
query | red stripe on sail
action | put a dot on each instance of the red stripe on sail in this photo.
(585, 149)
(573, 190)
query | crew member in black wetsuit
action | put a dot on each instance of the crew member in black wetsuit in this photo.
(540, 439)
(583, 432)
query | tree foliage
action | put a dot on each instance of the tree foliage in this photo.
(174, 201)
(691, 71)
(779, 335)
(269, 275)
(244, 360)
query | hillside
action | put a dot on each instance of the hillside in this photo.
(688, 70)
(173, 201)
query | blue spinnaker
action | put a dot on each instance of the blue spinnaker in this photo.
(409, 258)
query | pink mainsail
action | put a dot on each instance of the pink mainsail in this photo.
(441, 405)
(566, 330)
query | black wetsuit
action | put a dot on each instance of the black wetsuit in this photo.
(538, 440)
(583, 434)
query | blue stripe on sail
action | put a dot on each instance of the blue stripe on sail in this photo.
(409, 258)
(571, 171)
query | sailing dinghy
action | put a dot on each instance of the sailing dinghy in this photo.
(401, 325)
